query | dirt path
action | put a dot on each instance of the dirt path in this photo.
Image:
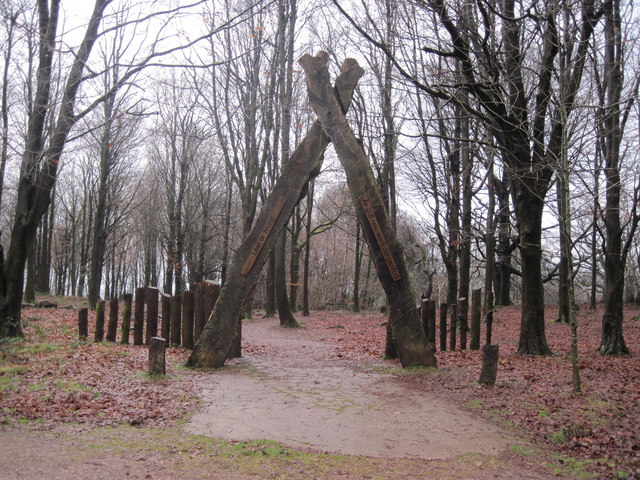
(297, 392)
(298, 387)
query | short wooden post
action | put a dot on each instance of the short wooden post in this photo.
(112, 328)
(431, 320)
(126, 319)
(476, 306)
(176, 315)
(489, 364)
(99, 333)
(462, 315)
(151, 297)
(157, 348)
(187, 319)
(83, 323)
(138, 318)
(443, 326)
(198, 310)
(453, 330)
(165, 327)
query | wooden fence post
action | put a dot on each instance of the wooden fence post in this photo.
(489, 364)
(83, 323)
(453, 330)
(157, 348)
(476, 307)
(462, 315)
(138, 319)
(151, 297)
(99, 333)
(443, 326)
(187, 319)
(126, 319)
(431, 320)
(165, 328)
(176, 315)
(112, 329)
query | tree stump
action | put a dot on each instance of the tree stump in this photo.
(157, 348)
(126, 319)
(151, 298)
(99, 333)
(83, 323)
(176, 315)
(489, 365)
(198, 310)
(476, 307)
(443, 326)
(138, 319)
(112, 328)
(187, 319)
(165, 327)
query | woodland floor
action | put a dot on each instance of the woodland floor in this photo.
(316, 402)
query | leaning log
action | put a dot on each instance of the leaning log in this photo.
(305, 162)
(411, 342)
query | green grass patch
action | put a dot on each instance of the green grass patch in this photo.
(476, 403)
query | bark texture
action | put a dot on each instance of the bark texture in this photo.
(218, 334)
(411, 342)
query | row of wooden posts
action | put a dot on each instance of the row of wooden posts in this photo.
(182, 317)
(489, 351)
(428, 318)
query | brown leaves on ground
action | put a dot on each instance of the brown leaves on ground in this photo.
(532, 394)
(50, 376)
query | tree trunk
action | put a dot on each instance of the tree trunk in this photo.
(176, 320)
(611, 131)
(503, 250)
(411, 343)
(213, 345)
(40, 165)
(282, 299)
(307, 251)
(270, 284)
(165, 328)
(563, 271)
(356, 273)
(532, 340)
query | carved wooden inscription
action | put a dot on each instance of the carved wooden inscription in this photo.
(264, 234)
(382, 242)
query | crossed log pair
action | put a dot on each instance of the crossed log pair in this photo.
(330, 105)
